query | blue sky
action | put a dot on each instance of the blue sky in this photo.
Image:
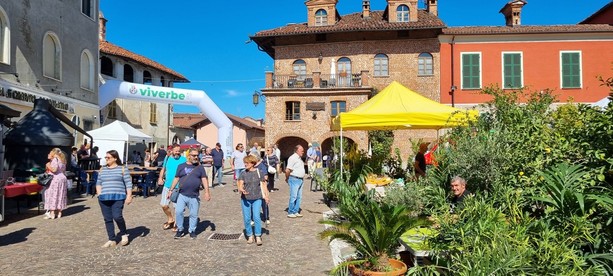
(205, 40)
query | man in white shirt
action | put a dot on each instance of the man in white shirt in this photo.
(294, 175)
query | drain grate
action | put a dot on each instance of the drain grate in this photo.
(225, 237)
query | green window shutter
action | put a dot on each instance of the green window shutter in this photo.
(512, 70)
(470, 71)
(571, 70)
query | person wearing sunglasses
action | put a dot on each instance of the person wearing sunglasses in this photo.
(114, 189)
(167, 175)
(189, 179)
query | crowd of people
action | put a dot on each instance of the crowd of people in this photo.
(186, 177)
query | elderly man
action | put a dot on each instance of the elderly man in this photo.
(294, 175)
(458, 188)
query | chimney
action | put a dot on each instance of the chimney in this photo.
(433, 7)
(365, 8)
(102, 27)
(512, 12)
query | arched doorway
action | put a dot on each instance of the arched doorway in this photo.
(328, 144)
(287, 145)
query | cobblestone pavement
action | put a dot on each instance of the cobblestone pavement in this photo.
(30, 245)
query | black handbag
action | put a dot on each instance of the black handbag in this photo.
(44, 179)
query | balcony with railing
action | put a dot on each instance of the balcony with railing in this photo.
(316, 81)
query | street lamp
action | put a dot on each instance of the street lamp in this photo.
(256, 97)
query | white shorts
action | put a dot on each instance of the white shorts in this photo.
(165, 201)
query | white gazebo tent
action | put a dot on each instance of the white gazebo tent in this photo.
(115, 136)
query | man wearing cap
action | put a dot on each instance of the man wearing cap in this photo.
(294, 175)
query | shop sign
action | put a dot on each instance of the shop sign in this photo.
(23, 96)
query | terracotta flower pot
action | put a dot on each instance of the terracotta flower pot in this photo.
(399, 267)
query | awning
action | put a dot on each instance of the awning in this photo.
(397, 107)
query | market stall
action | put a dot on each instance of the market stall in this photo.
(398, 107)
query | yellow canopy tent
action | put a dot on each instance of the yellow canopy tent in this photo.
(397, 107)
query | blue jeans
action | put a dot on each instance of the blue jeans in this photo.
(252, 207)
(238, 172)
(193, 203)
(218, 173)
(295, 195)
(113, 210)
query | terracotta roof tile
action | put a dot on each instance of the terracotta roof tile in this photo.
(112, 49)
(526, 29)
(235, 120)
(354, 22)
(186, 120)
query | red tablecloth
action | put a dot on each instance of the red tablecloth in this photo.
(18, 189)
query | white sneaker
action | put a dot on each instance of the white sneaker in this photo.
(291, 215)
(267, 222)
(124, 240)
(298, 215)
(109, 244)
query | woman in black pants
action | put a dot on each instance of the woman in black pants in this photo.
(271, 160)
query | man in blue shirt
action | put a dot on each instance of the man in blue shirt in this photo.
(218, 159)
(167, 175)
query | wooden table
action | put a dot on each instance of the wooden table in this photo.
(138, 173)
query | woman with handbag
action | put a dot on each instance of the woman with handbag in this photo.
(114, 189)
(272, 162)
(252, 186)
(56, 192)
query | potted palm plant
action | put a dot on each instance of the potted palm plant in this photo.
(373, 228)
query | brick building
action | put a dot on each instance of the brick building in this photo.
(564, 58)
(333, 63)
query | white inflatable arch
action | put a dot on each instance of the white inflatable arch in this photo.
(113, 89)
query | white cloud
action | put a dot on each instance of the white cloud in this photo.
(232, 93)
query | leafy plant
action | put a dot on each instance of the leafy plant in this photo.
(372, 228)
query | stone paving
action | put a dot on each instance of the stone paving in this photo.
(30, 245)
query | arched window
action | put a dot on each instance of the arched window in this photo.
(300, 69)
(424, 65)
(402, 13)
(321, 18)
(162, 81)
(87, 70)
(52, 56)
(381, 65)
(147, 77)
(106, 66)
(128, 73)
(344, 71)
(5, 37)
